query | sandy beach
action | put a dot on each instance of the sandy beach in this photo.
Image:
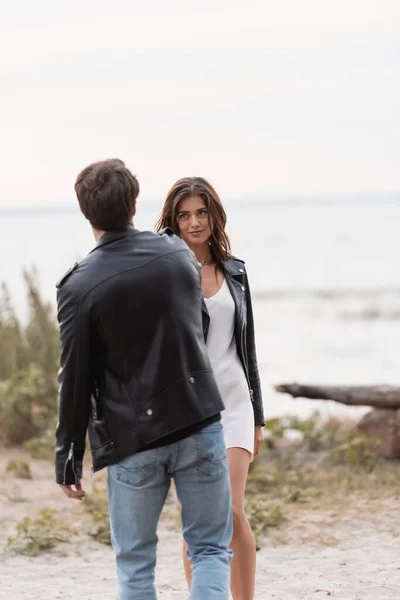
(353, 555)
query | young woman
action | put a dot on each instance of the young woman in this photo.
(195, 213)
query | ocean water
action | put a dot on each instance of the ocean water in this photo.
(325, 280)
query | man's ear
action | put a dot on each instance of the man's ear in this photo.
(133, 212)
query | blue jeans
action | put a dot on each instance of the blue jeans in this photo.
(137, 489)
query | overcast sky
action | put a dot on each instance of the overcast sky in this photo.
(262, 97)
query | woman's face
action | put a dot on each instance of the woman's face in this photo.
(193, 221)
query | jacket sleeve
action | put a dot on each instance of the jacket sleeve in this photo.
(252, 361)
(75, 385)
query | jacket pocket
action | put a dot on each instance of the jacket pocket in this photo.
(104, 455)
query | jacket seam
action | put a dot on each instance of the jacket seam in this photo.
(82, 298)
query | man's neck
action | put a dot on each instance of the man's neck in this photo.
(97, 234)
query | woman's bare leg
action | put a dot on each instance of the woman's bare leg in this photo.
(243, 566)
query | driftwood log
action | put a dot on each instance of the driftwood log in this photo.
(382, 423)
(377, 396)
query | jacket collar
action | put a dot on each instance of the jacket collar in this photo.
(233, 267)
(113, 235)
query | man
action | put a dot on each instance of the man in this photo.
(135, 373)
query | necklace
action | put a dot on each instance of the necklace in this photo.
(207, 262)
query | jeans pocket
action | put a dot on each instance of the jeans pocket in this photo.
(138, 468)
(211, 451)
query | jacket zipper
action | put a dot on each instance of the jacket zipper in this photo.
(70, 457)
(245, 366)
(243, 354)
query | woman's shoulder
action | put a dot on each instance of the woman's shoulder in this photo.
(236, 259)
(233, 263)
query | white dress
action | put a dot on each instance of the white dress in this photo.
(238, 416)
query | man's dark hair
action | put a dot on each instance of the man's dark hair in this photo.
(107, 193)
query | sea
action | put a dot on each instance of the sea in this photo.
(324, 276)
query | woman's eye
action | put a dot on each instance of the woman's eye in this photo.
(182, 217)
(202, 212)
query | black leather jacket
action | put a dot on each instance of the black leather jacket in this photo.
(236, 278)
(134, 365)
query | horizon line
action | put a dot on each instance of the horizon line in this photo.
(254, 199)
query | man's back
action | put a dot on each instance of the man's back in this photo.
(144, 302)
(140, 346)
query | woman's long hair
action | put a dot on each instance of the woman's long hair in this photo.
(197, 186)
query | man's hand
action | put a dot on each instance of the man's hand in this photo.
(258, 439)
(76, 494)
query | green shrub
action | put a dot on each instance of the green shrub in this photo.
(359, 453)
(263, 514)
(43, 446)
(19, 469)
(38, 535)
(96, 504)
(12, 344)
(25, 405)
(315, 433)
(28, 367)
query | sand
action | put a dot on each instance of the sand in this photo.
(354, 556)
